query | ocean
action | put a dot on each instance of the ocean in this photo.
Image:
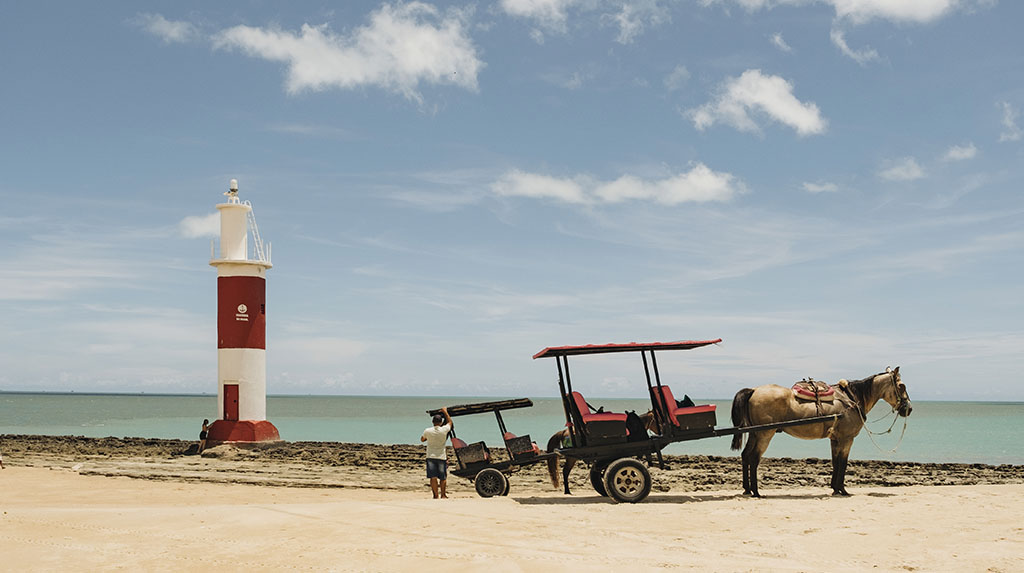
(965, 432)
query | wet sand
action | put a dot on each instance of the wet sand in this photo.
(400, 467)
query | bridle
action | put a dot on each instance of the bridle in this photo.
(902, 401)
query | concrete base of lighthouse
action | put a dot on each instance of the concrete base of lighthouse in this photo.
(242, 431)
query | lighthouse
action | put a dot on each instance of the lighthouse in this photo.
(241, 326)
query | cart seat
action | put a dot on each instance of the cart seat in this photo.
(470, 453)
(688, 418)
(520, 446)
(588, 417)
(600, 428)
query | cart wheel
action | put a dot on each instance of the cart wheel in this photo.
(627, 480)
(597, 477)
(508, 485)
(490, 482)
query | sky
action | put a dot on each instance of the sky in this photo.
(830, 186)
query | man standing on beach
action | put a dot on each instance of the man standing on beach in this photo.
(437, 457)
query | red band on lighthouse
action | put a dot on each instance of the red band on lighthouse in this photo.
(241, 312)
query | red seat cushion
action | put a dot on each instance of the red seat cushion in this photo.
(674, 410)
(581, 404)
(695, 410)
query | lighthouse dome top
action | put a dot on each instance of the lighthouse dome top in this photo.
(237, 222)
(232, 192)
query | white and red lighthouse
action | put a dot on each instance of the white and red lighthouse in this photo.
(241, 327)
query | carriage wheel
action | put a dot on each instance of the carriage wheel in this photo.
(627, 480)
(508, 485)
(490, 482)
(597, 477)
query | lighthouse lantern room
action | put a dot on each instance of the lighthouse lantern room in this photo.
(241, 326)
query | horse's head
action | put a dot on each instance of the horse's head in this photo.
(894, 391)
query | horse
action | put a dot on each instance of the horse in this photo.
(562, 436)
(773, 403)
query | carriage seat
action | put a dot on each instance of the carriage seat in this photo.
(470, 453)
(600, 427)
(588, 417)
(520, 446)
(689, 417)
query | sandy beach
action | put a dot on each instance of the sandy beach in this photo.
(142, 504)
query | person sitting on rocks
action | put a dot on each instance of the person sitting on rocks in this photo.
(203, 435)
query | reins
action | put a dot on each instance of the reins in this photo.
(895, 417)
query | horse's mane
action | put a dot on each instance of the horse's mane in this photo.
(860, 390)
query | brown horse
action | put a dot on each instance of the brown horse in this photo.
(562, 436)
(772, 403)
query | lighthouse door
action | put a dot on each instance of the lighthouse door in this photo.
(231, 402)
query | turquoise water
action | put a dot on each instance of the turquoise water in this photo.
(970, 432)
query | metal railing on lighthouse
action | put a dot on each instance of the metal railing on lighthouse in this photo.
(257, 241)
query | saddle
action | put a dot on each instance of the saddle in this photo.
(812, 390)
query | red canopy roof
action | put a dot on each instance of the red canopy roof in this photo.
(630, 347)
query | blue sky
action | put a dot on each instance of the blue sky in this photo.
(830, 186)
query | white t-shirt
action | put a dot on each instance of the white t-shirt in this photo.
(436, 437)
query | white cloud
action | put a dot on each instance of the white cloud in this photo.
(401, 47)
(960, 152)
(518, 183)
(632, 18)
(822, 187)
(677, 78)
(167, 30)
(779, 42)
(548, 14)
(862, 57)
(699, 184)
(195, 226)
(1011, 131)
(861, 11)
(905, 169)
(771, 96)
(635, 16)
(916, 11)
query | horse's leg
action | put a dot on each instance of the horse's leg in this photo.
(757, 443)
(840, 458)
(566, 468)
(745, 462)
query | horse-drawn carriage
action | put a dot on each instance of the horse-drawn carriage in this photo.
(613, 444)
(608, 443)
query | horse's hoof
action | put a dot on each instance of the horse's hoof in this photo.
(840, 493)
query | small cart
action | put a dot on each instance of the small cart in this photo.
(475, 462)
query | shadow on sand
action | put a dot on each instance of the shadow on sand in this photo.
(692, 498)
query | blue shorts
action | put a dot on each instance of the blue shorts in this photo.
(437, 468)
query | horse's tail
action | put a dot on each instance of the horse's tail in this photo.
(741, 414)
(553, 442)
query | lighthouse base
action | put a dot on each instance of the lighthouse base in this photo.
(242, 431)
